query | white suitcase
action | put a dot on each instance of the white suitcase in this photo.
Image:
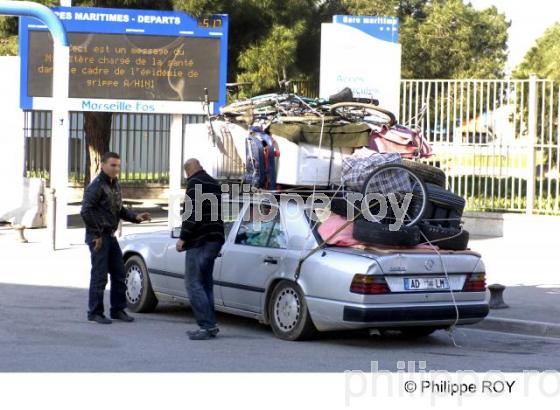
(307, 165)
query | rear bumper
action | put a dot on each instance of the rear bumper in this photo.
(416, 314)
(337, 315)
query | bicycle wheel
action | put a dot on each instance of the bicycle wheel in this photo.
(410, 198)
(356, 111)
(266, 102)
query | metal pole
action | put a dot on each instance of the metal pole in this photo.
(175, 171)
(531, 141)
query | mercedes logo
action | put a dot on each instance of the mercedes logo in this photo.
(429, 264)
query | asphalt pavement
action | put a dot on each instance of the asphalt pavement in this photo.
(44, 329)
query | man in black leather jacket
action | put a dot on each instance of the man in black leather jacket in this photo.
(102, 210)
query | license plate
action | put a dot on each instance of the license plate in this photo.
(426, 284)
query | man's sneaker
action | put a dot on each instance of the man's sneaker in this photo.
(101, 319)
(199, 334)
(122, 315)
(214, 331)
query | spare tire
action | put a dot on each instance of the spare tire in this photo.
(428, 173)
(455, 239)
(341, 206)
(376, 233)
(445, 198)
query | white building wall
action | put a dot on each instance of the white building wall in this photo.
(12, 142)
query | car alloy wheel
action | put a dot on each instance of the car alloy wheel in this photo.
(287, 309)
(134, 283)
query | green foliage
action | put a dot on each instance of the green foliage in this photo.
(267, 62)
(543, 58)
(445, 38)
(9, 46)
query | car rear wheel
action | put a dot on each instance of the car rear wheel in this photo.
(140, 296)
(288, 313)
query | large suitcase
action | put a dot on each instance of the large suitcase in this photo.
(260, 162)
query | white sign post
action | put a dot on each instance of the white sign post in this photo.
(362, 53)
(59, 142)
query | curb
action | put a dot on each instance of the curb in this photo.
(524, 327)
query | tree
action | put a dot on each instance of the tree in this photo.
(266, 64)
(445, 38)
(542, 59)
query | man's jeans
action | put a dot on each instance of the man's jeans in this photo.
(199, 264)
(108, 259)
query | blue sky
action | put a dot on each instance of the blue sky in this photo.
(529, 20)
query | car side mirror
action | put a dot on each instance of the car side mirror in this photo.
(176, 232)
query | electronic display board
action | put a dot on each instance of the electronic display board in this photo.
(128, 60)
(129, 66)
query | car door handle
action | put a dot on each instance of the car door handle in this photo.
(270, 260)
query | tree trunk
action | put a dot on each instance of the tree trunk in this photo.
(97, 128)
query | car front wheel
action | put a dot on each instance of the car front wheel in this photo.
(140, 296)
(288, 313)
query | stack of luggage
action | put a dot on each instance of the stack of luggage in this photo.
(292, 141)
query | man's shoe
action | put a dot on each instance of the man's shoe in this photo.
(213, 331)
(200, 334)
(101, 319)
(122, 315)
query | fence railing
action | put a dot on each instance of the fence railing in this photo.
(142, 140)
(497, 140)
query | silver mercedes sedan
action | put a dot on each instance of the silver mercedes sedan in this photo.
(276, 272)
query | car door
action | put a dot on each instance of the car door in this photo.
(175, 261)
(255, 253)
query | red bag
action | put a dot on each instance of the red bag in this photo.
(399, 139)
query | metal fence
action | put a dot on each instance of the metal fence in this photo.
(497, 140)
(142, 140)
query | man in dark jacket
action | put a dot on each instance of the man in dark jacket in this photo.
(202, 235)
(102, 209)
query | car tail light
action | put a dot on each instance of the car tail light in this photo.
(476, 282)
(369, 284)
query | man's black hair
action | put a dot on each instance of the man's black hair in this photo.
(108, 155)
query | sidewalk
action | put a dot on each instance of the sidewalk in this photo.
(528, 266)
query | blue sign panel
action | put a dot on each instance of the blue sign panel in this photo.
(128, 60)
(382, 27)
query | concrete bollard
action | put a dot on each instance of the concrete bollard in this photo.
(497, 296)
(20, 233)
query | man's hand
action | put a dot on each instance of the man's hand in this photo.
(144, 216)
(97, 242)
(179, 245)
